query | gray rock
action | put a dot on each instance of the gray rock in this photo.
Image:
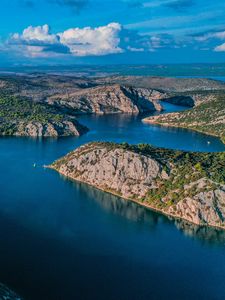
(132, 175)
(109, 99)
(49, 129)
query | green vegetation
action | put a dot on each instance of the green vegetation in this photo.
(184, 169)
(14, 110)
(196, 164)
(208, 117)
(183, 174)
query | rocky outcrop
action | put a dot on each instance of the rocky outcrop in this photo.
(46, 129)
(7, 294)
(126, 172)
(144, 177)
(109, 94)
(109, 99)
(205, 207)
(21, 117)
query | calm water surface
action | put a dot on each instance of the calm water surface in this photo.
(65, 240)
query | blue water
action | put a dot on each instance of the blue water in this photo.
(220, 78)
(65, 240)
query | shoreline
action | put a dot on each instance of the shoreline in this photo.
(153, 122)
(147, 206)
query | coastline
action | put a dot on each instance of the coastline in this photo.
(146, 120)
(147, 206)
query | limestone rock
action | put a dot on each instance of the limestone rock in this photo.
(134, 175)
(109, 99)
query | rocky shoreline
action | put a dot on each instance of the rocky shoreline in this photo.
(153, 178)
(207, 117)
(46, 105)
(45, 129)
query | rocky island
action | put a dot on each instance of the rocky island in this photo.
(184, 185)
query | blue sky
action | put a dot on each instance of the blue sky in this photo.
(119, 31)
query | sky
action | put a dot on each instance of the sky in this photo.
(37, 32)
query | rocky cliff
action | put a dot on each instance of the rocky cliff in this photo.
(109, 94)
(43, 129)
(184, 185)
(22, 117)
(109, 99)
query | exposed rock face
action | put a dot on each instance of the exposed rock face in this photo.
(206, 207)
(7, 294)
(123, 171)
(133, 175)
(109, 99)
(109, 94)
(49, 129)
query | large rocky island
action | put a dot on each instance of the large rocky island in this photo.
(184, 185)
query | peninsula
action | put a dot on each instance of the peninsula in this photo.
(208, 117)
(21, 117)
(184, 185)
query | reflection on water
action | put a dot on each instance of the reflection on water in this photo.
(146, 217)
(62, 236)
(119, 206)
(205, 234)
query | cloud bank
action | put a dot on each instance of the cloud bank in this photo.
(113, 38)
(40, 42)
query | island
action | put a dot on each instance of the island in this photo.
(183, 185)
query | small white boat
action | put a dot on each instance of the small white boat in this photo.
(208, 142)
(34, 165)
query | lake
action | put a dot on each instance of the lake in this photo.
(62, 240)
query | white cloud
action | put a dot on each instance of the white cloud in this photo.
(219, 35)
(36, 42)
(40, 42)
(210, 35)
(220, 48)
(39, 33)
(92, 41)
(133, 49)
